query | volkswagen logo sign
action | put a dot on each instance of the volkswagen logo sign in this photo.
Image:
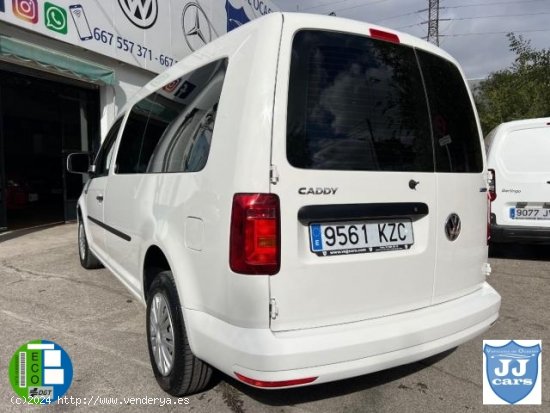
(142, 13)
(196, 26)
(452, 227)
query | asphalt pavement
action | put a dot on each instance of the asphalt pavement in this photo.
(45, 294)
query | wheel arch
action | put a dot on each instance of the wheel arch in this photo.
(170, 256)
(154, 262)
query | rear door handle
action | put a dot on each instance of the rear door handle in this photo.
(99, 198)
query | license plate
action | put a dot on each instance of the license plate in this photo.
(537, 214)
(343, 238)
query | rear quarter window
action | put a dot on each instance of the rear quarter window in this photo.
(171, 130)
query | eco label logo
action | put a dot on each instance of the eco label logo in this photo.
(40, 372)
(512, 372)
(56, 18)
(26, 10)
(142, 13)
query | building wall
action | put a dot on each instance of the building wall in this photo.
(129, 79)
(151, 34)
(170, 36)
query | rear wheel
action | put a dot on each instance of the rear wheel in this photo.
(177, 370)
(87, 258)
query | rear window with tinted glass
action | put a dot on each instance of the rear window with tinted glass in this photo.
(357, 103)
(456, 137)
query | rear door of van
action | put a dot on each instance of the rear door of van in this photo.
(522, 169)
(461, 217)
(353, 166)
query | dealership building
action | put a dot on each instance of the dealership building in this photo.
(67, 67)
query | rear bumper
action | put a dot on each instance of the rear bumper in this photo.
(338, 352)
(509, 233)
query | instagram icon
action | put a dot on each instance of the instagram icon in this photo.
(26, 10)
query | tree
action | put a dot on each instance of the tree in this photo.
(521, 91)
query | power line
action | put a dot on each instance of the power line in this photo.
(400, 15)
(499, 15)
(359, 5)
(490, 4)
(408, 25)
(458, 7)
(324, 4)
(484, 33)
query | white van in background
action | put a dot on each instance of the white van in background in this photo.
(300, 201)
(518, 157)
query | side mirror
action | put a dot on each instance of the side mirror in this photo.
(79, 163)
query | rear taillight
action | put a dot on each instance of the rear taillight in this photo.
(492, 182)
(255, 234)
(488, 219)
(491, 196)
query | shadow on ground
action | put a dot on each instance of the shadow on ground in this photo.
(334, 389)
(533, 252)
(6, 236)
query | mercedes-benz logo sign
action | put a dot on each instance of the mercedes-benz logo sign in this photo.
(197, 29)
(452, 227)
(142, 13)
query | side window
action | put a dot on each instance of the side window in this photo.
(456, 138)
(105, 155)
(140, 136)
(171, 129)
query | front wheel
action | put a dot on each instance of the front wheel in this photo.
(177, 370)
(87, 258)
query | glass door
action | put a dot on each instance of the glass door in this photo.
(3, 190)
(79, 124)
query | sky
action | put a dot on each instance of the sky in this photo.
(472, 31)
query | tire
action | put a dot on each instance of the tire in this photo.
(87, 258)
(182, 373)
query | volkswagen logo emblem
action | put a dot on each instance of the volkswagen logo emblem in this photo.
(452, 227)
(142, 13)
(196, 26)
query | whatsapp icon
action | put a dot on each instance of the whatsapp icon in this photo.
(56, 18)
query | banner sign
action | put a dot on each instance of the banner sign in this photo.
(152, 34)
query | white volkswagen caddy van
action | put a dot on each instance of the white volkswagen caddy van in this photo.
(300, 201)
(518, 157)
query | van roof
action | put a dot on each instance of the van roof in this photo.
(523, 124)
(266, 26)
